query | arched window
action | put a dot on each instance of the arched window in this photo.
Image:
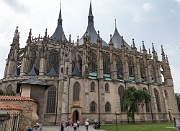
(32, 57)
(106, 87)
(76, 91)
(53, 60)
(131, 68)
(166, 93)
(80, 64)
(156, 94)
(119, 67)
(142, 71)
(92, 89)
(147, 104)
(106, 63)
(9, 89)
(93, 62)
(93, 107)
(51, 100)
(153, 74)
(121, 96)
(107, 107)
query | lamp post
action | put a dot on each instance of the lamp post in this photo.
(116, 121)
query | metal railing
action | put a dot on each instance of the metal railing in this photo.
(9, 122)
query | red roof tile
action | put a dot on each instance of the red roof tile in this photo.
(9, 107)
(16, 98)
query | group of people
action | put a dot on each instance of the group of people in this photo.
(75, 125)
(67, 124)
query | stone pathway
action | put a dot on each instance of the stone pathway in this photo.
(56, 128)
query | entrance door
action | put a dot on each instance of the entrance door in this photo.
(75, 116)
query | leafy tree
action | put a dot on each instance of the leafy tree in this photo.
(133, 98)
(178, 100)
(1, 92)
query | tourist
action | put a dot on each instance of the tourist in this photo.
(75, 126)
(86, 124)
(78, 123)
(62, 126)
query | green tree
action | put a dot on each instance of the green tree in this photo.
(132, 98)
(178, 100)
(1, 92)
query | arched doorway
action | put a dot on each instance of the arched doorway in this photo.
(170, 115)
(75, 116)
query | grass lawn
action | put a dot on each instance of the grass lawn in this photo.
(141, 127)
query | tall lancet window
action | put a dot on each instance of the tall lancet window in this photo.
(93, 62)
(93, 107)
(32, 57)
(80, 63)
(106, 64)
(147, 105)
(156, 94)
(121, 97)
(142, 71)
(131, 68)
(51, 100)
(76, 91)
(119, 67)
(53, 60)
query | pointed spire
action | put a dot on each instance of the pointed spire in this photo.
(111, 42)
(70, 38)
(46, 33)
(90, 17)
(115, 24)
(122, 46)
(16, 33)
(133, 44)
(140, 50)
(77, 40)
(153, 50)
(167, 59)
(30, 35)
(162, 50)
(149, 51)
(60, 17)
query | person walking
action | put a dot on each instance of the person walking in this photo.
(78, 123)
(62, 126)
(75, 126)
(87, 125)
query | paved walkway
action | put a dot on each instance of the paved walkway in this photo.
(56, 128)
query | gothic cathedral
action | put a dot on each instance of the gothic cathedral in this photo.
(85, 79)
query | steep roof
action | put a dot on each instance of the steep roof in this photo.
(91, 30)
(33, 72)
(117, 39)
(52, 72)
(59, 33)
(34, 81)
(16, 98)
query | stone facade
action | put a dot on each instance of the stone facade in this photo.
(86, 78)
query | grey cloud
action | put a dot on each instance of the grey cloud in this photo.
(16, 5)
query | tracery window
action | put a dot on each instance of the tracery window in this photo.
(106, 64)
(119, 66)
(121, 96)
(93, 107)
(156, 94)
(76, 91)
(142, 71)
(93, 62)
(147, 105)
(51, 100)
(153, 74)
(131, 68)
(106, 87)
(53, 60)
(32, 57)
(107, 107)
(92, 89)
(80, 64)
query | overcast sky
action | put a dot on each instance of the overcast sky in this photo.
(151, 21)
